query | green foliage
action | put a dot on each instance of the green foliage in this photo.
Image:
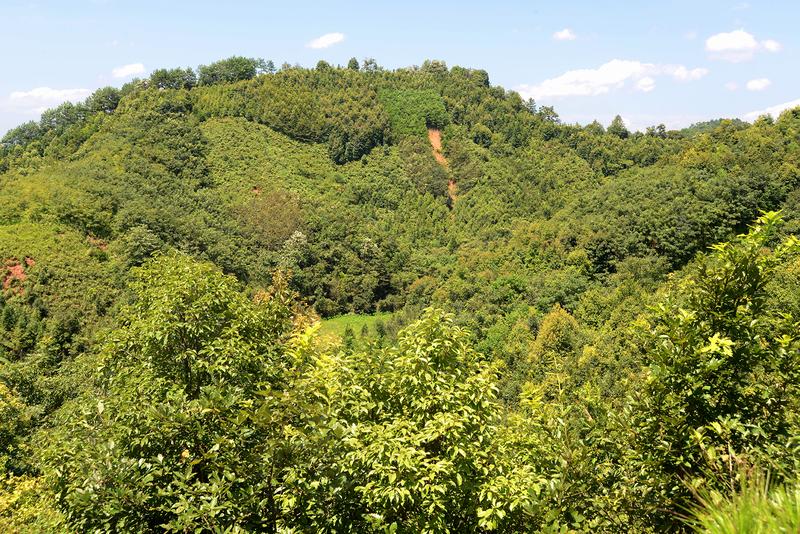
(27, 506)
(405, 435)
(178, 78)
(22, 135)
(190, 326)
(754, 506)
(273, 215)
(412, 112)
(230, 70)
(163, 440)
(138, 244)
(104, 100)
(12, 420)
(338, 326)
(428, 176)
(723, 371)
(60, 118)
(709, 126)
(60, 296)
(343, 110)
(617, 127)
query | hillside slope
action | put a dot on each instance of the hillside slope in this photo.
(323, 192)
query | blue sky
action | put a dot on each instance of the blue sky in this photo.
(674, 62)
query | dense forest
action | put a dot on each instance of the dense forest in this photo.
(242, 298)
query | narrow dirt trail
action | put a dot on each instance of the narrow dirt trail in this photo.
(435, 137)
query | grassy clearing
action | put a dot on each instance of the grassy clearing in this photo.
(335, 326)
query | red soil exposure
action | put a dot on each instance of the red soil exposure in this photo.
(15, 271)
(435, 137)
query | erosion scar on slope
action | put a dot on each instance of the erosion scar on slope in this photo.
(435, 137)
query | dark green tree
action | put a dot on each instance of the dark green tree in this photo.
(233, 69)
(173, 78)
(104, 100)
(617, 127)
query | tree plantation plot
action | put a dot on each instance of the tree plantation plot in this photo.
(353, 299)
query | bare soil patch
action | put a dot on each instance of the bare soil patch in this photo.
(15, 272)
(435, 137)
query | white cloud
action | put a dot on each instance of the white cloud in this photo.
(324, 41)
(738, 45)
(734, 46)
(565, 35)
(607, 77)
(37, 100)
(646, 84)
(127, 70)
(759, 84)
(772, 110)
(731, 86)
(679, 72)
(588, 82)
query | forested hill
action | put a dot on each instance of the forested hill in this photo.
(549, 343)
